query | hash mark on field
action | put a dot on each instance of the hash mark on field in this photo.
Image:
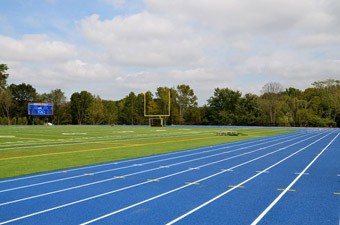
(227, 170)
(153, 180)
(234, 186)
(290, 190)
(302, 173)
(192, 183)
(88, 174)
(262, 171)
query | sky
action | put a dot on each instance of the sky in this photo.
(113, 47)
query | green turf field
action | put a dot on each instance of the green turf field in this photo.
(33, 149)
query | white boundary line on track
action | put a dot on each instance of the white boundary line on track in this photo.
(154, 156)
(240, 184)
(260, 217)
(146, 163)
(146, 182)
(198, 181)
(157, 168)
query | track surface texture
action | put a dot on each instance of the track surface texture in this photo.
(285, 179)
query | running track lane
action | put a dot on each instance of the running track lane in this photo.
(210, 181)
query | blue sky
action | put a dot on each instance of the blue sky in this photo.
(112, 47)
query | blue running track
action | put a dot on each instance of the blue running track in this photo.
(285, 179)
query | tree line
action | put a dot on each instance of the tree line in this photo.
(317, 106)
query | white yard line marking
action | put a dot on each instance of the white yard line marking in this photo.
(259, 218)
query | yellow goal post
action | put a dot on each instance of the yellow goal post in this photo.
(160, 117)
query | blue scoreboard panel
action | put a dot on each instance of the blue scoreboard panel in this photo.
(40, 109)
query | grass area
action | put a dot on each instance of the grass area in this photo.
(33, 149)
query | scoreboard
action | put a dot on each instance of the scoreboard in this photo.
(40, 109)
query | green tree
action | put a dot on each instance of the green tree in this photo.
(248, 110)
(163, 96)
(128, 109)
(57, 97)
(80, 102)
(110, 112)
(292, 104)
(95, 111)
(6, 103)
(270, 100)
(22, 94)
(185, 99)
(3, 76)
(224, 106)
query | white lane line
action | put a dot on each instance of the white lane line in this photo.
(240, 184)
(146, 182)
(62, 179)
(134, 165)
(260, 217)
(198, 181)
(229, 145)
(139, 172)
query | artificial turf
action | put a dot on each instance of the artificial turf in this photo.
(33, 149)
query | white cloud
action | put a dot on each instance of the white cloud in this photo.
(144, 39)
(206, 44)
(35, 48)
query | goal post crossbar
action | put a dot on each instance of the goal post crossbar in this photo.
(160, 115)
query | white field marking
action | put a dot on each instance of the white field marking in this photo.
(41, 183)
(126, 131)
(158, 160)
(259, 218)
(131, 174)
(74, 133)
(83, 200)
(227, 170)
(238, 149)
(262, 171)
(160, 130)
(301, 173)
(113, 163)
(104, 171)
(182, 187)
(80, 143)
(63, 179)
(7, 136)
(139, 184)
(110, 140)
(240, 184)
(76, 187)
